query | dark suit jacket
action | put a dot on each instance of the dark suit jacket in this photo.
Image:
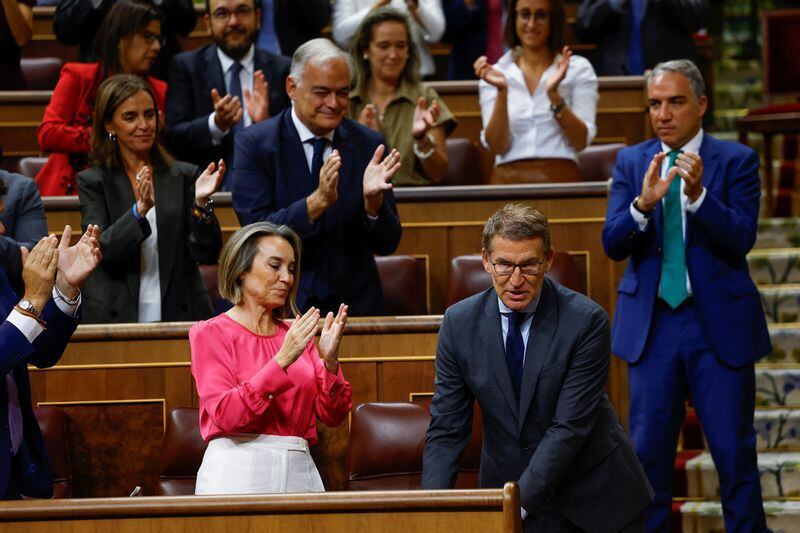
(77, 22)
(30, 468)
(24, 222)
(192, 75)
(298, 21)
(718, 237)
(562, 442)
(667, 27)
(271, 181)
(111, 293)
(468, 31)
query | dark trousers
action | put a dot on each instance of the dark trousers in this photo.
(678, 362)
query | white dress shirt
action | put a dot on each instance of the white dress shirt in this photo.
(348, 14)
(149, 280)
(693, 146)
(535, 132)
(246, 80)
(306, 136)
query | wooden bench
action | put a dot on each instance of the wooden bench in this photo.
(475, 511)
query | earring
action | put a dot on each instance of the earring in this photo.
(112, 136)
(365, 56)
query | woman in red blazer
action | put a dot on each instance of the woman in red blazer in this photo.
(128, 42)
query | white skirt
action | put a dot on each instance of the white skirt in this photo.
(257, 464)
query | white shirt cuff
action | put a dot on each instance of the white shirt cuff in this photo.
(68, 307)
(523, 514)
(692, 207)
(216, 133)
(26, 325)
(639, 218)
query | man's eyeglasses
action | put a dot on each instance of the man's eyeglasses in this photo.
(528, 269)
(150, 37)
(540, 16)
(241, 12)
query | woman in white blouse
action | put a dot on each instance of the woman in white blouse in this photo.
(538, 105)
(426, 17)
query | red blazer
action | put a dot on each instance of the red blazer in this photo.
(66, 128)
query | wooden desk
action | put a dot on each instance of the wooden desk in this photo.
(476, 511)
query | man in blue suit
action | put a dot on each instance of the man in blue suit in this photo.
(683, 211)
(35, 330)
(324, 175)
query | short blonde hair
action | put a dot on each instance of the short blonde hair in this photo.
(237, 258)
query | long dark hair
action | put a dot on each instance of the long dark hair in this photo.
(112, 92)
(124, 19)
(363, 37)
(557, 16)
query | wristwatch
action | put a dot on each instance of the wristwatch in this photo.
(645, 214)
(558, 109)
(28, 307)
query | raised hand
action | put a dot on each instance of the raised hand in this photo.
(208, 183)
(39, 271)
(329, 178)
(257, 101)
(145, 192)
(297, 338)
(555, 79)
(378, 178)
(75, 263)
(485, 71)
(369, 117)
(228, 110)
(424, 119)
(653, 187)
(329, 339)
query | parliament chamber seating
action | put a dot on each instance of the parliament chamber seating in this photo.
(41, 73)
(596, 162)
(181, 453)
(386, 444)
(468, 277)
(467, 163)
(403, 280)
(53, 424)
(30, 166)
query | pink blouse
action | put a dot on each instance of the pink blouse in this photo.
(244, 390)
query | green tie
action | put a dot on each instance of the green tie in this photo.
(673, 262)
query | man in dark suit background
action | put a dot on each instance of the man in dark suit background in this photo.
(206, 102)
(286, 24)
(683, 211)
(634, 35)
(535, 356)
(323, 175)
(22, 223)
(35, 330)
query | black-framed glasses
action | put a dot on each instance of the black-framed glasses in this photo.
(540, 16)
(526, 269)
(241, 12)
(150, 37)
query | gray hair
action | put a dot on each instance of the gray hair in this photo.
(317, 52)
(516, 222)
(685, 68)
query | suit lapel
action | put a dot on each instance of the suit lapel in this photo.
(293, 158)
(343, 143)
(710, 156)
(120, 198)
(215, 78)
(543, 328)
(493, 348)
(261, 61)
(169, 206)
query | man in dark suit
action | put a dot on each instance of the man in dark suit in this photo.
(683, 211)
(634, 35)
(535, 356)
(48, 301)
(324, 175)
(207, 103)
(22, 223)
(286, 24)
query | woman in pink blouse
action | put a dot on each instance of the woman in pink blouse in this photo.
(262, 382)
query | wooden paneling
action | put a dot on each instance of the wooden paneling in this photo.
(480, 511)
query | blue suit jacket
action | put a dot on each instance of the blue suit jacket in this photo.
(271, 181)
(30, 468)
(561, 441)
(718, 236)
(24, 222)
